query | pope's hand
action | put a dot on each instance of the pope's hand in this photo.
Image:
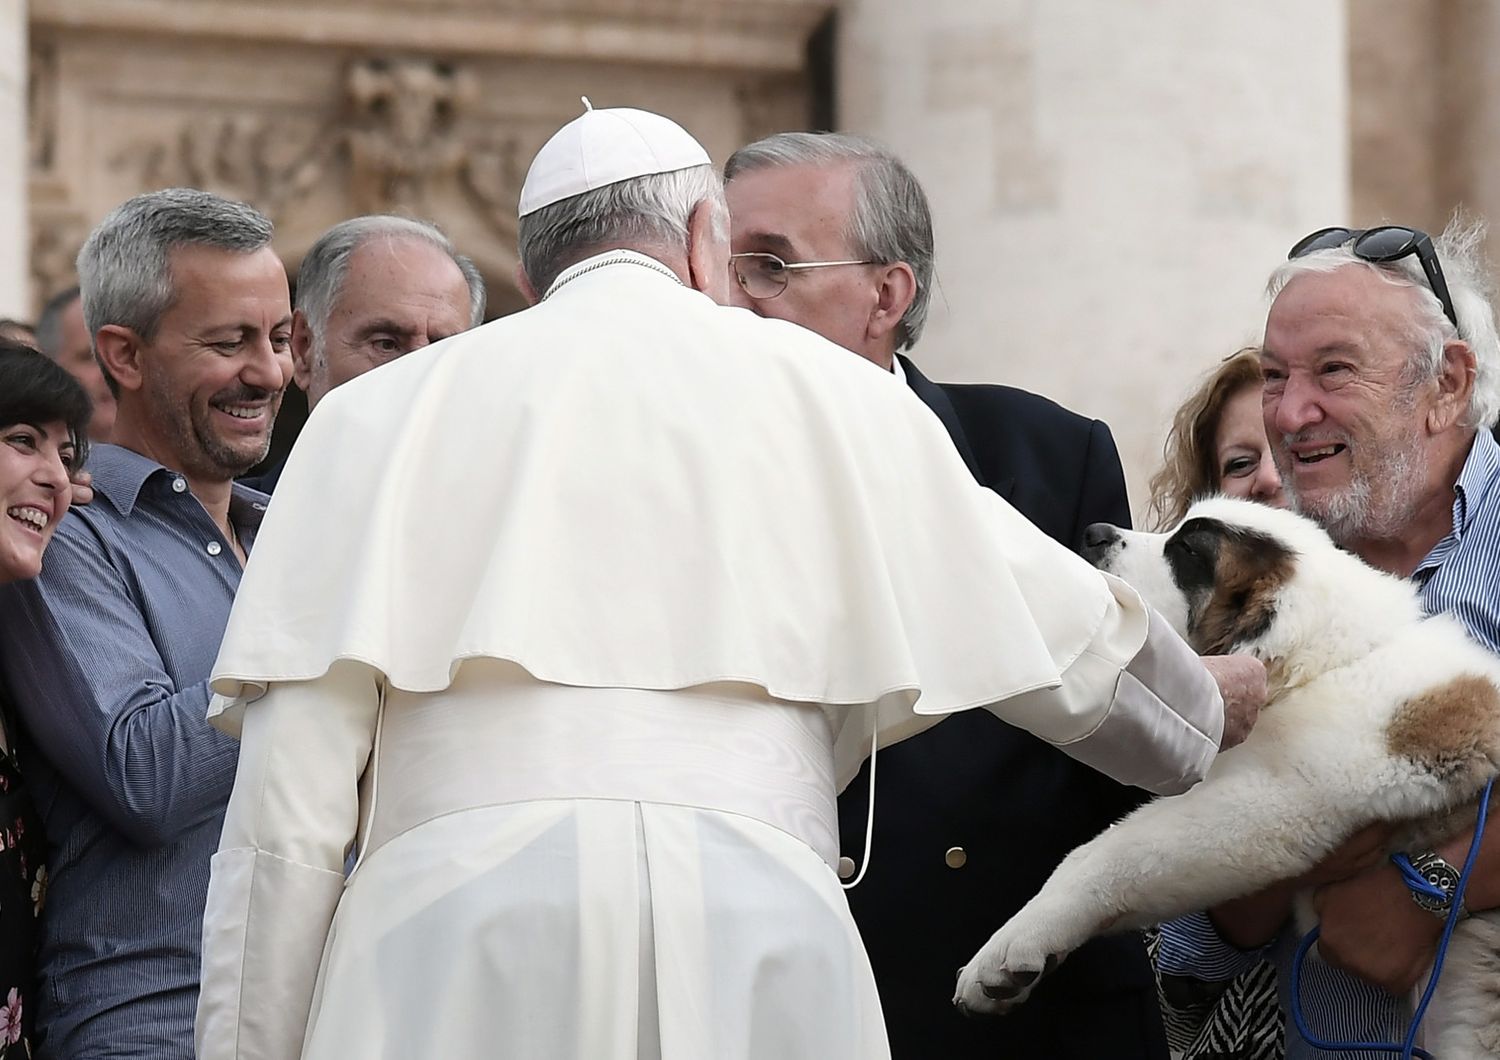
(1242, 684)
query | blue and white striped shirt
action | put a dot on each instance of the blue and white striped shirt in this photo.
(107, 657)
(1461, 575)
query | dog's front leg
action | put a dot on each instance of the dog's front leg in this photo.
(1232, 835)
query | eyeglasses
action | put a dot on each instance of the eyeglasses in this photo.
(765, 276)
(1384, 244)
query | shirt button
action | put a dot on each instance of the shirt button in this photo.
(956, 857)
(214, 548)
(846, 868)
(179, 485)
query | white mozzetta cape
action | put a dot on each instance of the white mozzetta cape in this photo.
(630, 486)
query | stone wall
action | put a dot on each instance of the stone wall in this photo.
(15, 292)
(1111, 183)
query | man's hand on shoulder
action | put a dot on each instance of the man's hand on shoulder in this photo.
(1242, 684)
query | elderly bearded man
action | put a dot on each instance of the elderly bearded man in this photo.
(1382, 367)
(953, 855)
(372, 289)
(587, 706)
(108, 653)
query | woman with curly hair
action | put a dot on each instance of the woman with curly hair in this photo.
(1217, 444)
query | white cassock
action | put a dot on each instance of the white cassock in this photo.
(575, 624)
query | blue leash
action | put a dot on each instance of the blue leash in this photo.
(1408, 1049)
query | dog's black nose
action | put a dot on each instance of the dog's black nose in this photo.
(1098, 541)
(1096, 535)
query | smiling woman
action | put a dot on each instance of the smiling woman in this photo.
(43, 415)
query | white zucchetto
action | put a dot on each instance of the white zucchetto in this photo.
(601, 147)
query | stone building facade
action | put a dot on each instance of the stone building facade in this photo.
(1111, 182)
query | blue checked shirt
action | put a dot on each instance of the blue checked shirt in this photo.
(1462, 575)
(106, 657)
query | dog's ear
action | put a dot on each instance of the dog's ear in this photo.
(1249, 570)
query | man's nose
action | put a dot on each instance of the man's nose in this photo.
(268, 368)
(1294, 408)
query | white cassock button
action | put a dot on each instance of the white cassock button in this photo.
(178, 485)
(214, 548)
(846, 868)
(956, 857)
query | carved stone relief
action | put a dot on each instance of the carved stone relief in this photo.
(314, 131)
(264, 162)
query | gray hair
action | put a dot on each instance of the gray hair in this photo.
(124, 271)
(1460, 253)
(320, 280)
(647, 211)
(49, 324)
(891, 220)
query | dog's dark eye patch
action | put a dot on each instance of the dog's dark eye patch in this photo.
(1193, 552)
(1240, 601)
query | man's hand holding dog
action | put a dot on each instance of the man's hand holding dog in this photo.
(1242, 683)
(1371, 928)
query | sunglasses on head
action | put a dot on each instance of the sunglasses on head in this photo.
(1384, 244)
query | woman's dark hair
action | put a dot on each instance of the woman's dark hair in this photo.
(35, 389)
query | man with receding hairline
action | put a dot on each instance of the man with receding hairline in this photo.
(369, 290)
(833, 232)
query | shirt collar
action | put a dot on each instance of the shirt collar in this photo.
(1475, 479)
(120, 474)
(1480, 470)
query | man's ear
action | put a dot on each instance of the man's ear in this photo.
(302, 346)
(118, 350)
(708, 251)
(1455, 385)
(897, 288)
(523, 284)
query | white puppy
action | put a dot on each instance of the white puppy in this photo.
(1376, 713)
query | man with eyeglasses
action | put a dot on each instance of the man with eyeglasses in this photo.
(1382, 373)
(834, 233)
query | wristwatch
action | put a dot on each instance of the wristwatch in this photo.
(1438, 872)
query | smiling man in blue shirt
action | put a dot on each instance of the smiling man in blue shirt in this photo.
(107, 654)
(1382, 368)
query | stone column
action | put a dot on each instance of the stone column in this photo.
(1111, 183)
(15, 250)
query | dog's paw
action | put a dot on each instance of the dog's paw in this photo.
(997, 980)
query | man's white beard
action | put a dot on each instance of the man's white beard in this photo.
(1359, 513)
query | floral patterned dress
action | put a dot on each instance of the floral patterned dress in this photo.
(23, 886)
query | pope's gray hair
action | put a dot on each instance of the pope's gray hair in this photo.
(1460, 253)
(891, 220)
(124, 268)
(320, 279)
(641, 212)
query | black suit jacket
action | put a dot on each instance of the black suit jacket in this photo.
(266, 481)
(1014, 804)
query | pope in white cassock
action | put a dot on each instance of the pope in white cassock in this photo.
(575, 624)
